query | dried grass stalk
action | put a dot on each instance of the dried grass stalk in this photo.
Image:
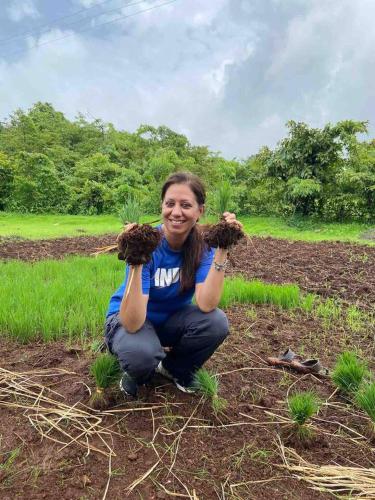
(335, 479)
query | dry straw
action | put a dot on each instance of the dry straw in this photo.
(53, 419)
(335, 479)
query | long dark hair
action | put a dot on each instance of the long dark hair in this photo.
(194, 245)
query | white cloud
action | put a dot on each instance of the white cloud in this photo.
(19, 9)
(228, 74)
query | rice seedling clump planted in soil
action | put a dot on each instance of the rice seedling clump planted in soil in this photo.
(365, 399)
(106, 372)
(208, 385)
(302, 406)
(349, 372)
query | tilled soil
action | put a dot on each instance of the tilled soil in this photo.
(172, 443)
(235, 454)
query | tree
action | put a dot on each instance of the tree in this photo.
(36, 186)
(309, 161)
(6, 179)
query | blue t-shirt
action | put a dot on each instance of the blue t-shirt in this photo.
(161, 281)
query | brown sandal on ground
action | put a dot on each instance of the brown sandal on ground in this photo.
(289, 359)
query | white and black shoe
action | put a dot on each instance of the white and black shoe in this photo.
(165, 373)
(128, 386)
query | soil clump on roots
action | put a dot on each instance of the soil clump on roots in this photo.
(223, 235)
(137, 243)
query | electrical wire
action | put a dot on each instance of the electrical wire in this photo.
(47, 26)
(90, 28)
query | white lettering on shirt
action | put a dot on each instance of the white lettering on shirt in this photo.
(165, 277)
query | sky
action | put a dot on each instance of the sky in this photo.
(228, 74)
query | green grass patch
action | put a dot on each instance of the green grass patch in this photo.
(40, 226)
(52, 299)
(329, 311)
(45, 226)
(240, 291)
(302, 406)
(105, 370)
(308, 230)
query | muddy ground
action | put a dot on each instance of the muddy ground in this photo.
(234, 455)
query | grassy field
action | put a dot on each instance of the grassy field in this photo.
(48, 384)
(40, 300)
(55, 226)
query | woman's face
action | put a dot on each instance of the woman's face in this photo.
(180, 210)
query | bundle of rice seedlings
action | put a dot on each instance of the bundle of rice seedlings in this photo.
(349, 372)
(302, 406)
(222, 234)
(365, 399)
(208, 385)
(223, 197)
(106, 372)
(137, 242)
(130, 212)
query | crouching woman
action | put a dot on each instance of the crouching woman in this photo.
(152, 325)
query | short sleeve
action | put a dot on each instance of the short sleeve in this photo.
(145, 278)
(204, 266)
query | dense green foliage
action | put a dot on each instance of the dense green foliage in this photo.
(51, 164)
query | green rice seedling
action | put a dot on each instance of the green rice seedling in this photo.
(8, 459)
(355, 319)
(239, 291)
(365, 399)
(52, 299)
(329, 311)
(208, 385)
(106, 371)
(349, 372)
(308, 302)
(131, 211)
(222, 198)
(302, 406)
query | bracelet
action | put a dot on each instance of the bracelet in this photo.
(221, 267)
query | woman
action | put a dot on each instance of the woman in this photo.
(154, 326)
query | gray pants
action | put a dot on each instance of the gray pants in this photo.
(192, 334)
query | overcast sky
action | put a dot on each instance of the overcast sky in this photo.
(226, 73)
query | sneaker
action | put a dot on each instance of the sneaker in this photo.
(165, 373)
(128, 385)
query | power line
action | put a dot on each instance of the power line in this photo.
(92, 27)
(52, 21)
(87, 18)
